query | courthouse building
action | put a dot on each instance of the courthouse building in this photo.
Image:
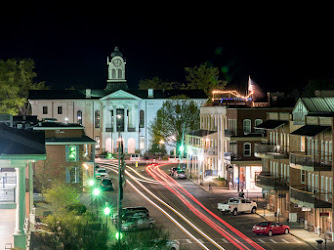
(105, 112)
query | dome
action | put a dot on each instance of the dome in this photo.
(116, 52)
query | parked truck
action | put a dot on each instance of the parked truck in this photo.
(238, 205)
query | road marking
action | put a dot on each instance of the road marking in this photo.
(297, 241)
(200, 240)
(189, 241)
(273, 240)
(261, 241)
(225, 240)
(285, 241)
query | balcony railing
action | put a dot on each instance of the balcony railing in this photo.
(131, 129)
(211, 151)
(270, 151)
(310, 198)
(302, 161)
(267, 181)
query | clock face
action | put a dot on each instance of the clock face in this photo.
(117, 62)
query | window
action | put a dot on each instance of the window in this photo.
(258, 122)
(247, 149)
(60, 110)
(79, 117)
(141, 119)
(97, 119)
(247, 123)
(72, 175)
(302, 144)
(45, 110)
(113, 74)
(119, 74)
(97, 145)
(303, 176)
(71, 153)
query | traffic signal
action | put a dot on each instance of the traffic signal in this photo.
(72, 154)
(106, 210)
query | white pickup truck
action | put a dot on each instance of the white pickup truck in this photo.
(238, 205)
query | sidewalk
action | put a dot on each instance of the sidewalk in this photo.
(296, 229)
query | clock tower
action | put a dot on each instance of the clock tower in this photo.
(116, 71)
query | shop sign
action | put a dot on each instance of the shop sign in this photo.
(306, 209)
(324, 214)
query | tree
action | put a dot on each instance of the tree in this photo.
(60, 196)
(204, 77)
(175, 118)
(16, 79)
(158, 84)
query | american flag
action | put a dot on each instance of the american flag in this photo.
(254, 89)
(251, 86)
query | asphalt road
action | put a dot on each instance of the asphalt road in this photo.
(187, 227)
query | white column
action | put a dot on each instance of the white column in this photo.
(31, 187)
(19, 235)
(126, 119)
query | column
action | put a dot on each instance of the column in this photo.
(31, 187)
(126, 119)
(19, 235)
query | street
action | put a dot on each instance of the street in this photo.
(190, 214)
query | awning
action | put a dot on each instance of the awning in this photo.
(271, 124)
(310, 130)
(69, 140)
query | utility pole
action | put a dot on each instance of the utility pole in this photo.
(120, 189)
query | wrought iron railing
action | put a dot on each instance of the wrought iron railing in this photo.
(300, 158)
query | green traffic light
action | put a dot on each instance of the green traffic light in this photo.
(119, 235)
(96, 191)
(106, 210)
(181, 148)
(91, 183)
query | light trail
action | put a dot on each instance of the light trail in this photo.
(182, 190)
(199, 214)
(113, 168)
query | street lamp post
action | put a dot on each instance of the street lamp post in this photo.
(120, 187)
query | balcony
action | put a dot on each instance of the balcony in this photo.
(302, 196)
(211, 151)
(270, 151)
(131, 129)
(269, 182)
(299, 160)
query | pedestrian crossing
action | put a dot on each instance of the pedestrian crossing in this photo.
(259, 240)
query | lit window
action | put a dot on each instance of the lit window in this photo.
(79, 117)
(247, 126)
(247, 149)
(60, 110)
(45, 110)
(97, 145)
(141, 119)
(97, 119)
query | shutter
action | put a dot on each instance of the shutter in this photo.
(77, 174)
(66, 153)
(67, 175)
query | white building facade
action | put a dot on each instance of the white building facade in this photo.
(106, 112)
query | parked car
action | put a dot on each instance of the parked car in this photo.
(134, 224)
(131, 212)
(238, 205)
(180, 174)
(106, 184)
(270, 228)
(172, 171)
(101, 173)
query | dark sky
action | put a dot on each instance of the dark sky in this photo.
(278, 47)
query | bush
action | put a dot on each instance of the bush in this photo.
(78, 209)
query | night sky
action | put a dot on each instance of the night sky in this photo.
(280, 50)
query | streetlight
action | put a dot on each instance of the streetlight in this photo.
(96, 193)
(106, 211)
(91, 183)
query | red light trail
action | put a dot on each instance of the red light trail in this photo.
(177, 189)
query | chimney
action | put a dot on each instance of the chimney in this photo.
(88, 93)
(150, 93)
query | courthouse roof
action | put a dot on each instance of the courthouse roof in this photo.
(99, 93)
